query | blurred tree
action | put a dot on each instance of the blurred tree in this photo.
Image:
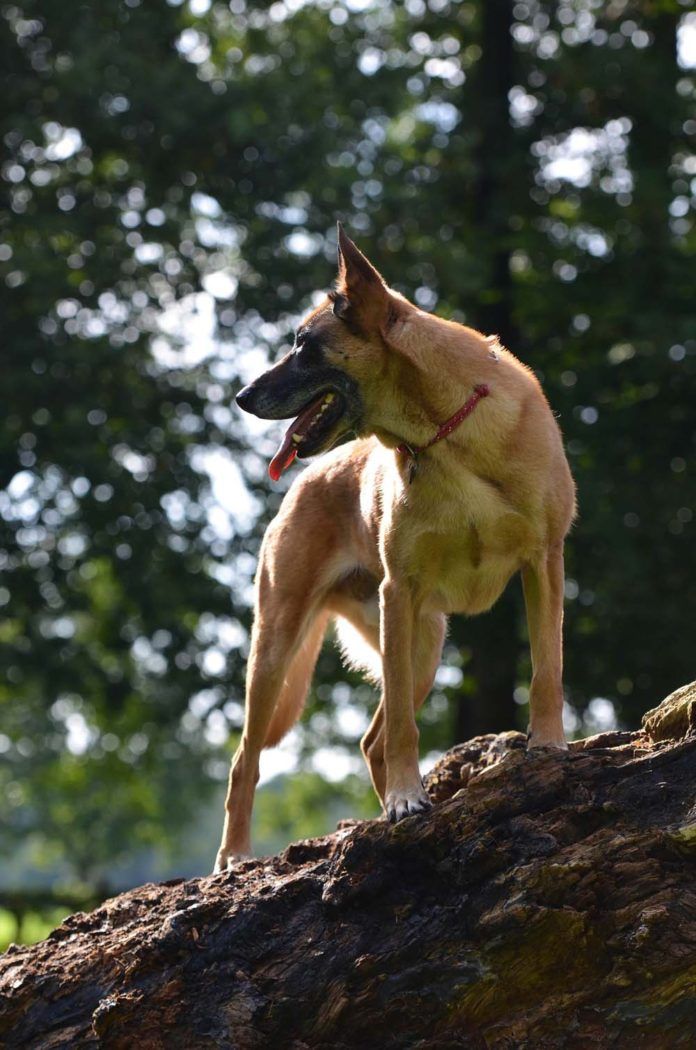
(523, 167)
(112, 571)
(605, 300)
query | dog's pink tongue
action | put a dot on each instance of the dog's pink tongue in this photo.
(288, 448)
(284, 456)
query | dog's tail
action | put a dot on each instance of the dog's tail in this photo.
(359, 651)
(296, 684)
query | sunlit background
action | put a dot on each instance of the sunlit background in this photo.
(172, 174)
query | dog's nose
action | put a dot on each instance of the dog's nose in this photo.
(244, 397)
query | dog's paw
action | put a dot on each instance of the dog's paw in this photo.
(552, 740)
(405, 803)
(225, 861)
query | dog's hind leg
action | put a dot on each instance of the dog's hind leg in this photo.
(284, 650)
(297, 681)
(430, 635)
(543, 595)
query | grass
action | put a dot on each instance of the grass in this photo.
(34, 926)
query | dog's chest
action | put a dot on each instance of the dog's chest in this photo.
(460, 559)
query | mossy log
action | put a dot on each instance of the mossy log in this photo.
(547, 900)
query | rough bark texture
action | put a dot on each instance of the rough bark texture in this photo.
(548, 900)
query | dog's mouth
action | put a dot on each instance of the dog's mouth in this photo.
(306, 434)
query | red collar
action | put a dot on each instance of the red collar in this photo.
(480, 391)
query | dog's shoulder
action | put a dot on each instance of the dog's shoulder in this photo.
(345, 463)
(342, 486)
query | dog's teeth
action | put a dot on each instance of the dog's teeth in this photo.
(297, 438)
(327, 400)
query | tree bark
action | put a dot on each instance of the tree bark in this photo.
(547, 900)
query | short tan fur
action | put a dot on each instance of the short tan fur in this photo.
(388, 558)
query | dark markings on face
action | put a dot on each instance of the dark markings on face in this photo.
(309, 348)
(308, 370)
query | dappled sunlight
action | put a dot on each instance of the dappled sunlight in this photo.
(173, 177)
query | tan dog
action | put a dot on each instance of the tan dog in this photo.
(457, 481)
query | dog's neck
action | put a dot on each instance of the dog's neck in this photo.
(481, 390)
(423, 406)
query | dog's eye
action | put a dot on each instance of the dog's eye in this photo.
(307, 347)
(304, 343)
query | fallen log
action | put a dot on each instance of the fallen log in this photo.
(548, 900)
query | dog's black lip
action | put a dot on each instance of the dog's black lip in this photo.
(317, 437)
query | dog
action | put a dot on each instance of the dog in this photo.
(456, 480)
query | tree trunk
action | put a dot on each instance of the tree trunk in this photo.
(548, 900)
(653, 141)
(494, 639)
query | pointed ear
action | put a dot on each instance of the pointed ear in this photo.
(355, 271)
(361, 297)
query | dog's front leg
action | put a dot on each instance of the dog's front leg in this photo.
(404, 792)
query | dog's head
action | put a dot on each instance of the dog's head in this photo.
(328, 376)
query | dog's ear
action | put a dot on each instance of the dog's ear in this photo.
(361, 297)
(355, 272)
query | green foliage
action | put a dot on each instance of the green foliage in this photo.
(110, 567)
(35, 926)
(524, 168)
(307, 805)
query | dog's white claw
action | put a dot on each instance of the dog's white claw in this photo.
(400, 804)
(226, 861)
